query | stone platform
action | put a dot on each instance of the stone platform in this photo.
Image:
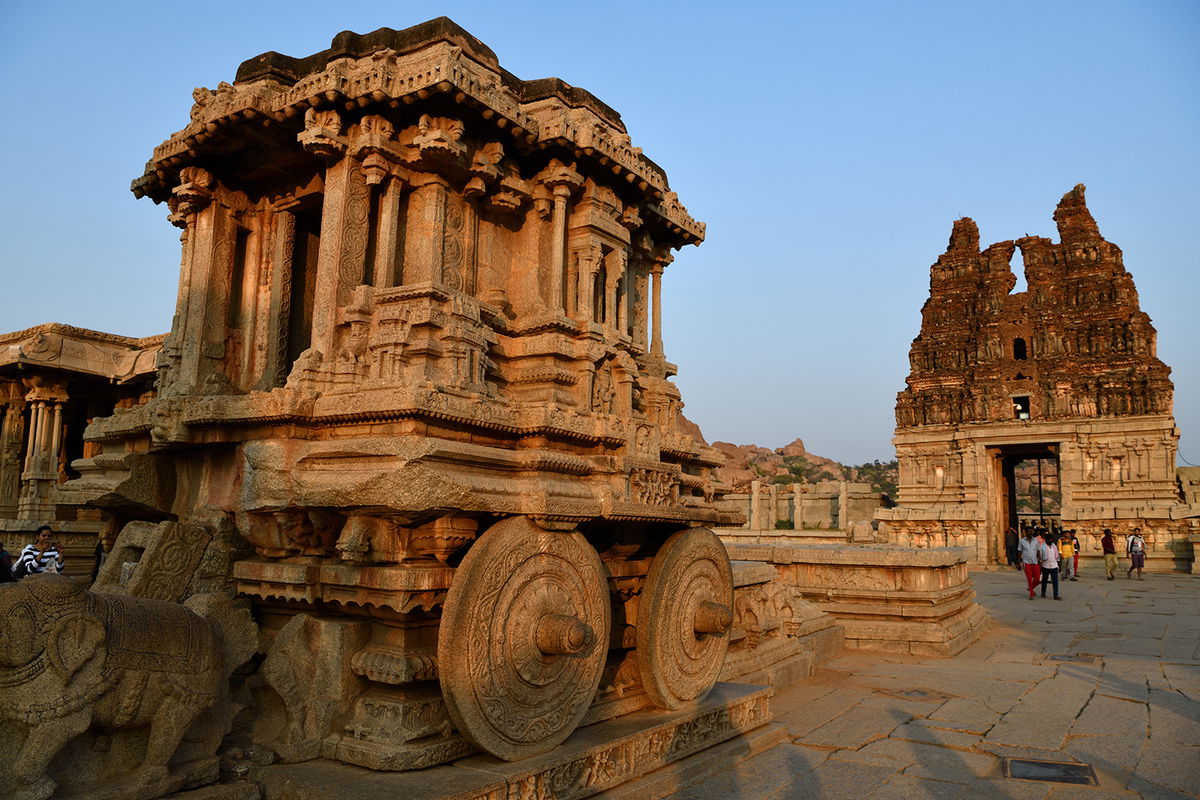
(593, 759)
(1109, 678)
(885, 598)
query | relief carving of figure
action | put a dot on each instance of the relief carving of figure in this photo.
(602, 390)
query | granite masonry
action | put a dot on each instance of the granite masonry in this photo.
(1065, 371)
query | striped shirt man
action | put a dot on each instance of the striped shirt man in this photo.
(42, 556)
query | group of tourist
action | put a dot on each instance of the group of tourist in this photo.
(41, 556)
(1044, 551)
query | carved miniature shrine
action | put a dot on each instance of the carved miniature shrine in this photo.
(414, 407)
(1064, 371)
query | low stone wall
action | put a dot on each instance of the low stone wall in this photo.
(885, 598)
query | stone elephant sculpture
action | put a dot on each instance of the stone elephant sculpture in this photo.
(113, 667)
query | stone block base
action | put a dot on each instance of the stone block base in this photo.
(946, 637)
(886, 599)
(667, 781)
(241, 790)
(594, 759)
(783, 661)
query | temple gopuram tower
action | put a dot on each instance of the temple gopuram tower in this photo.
(1060, 381)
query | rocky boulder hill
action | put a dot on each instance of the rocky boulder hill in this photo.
(790, 464)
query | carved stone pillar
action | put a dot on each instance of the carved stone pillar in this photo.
(587, 263)
(42, 449)
(656, 344)
(755, 509)
(423, 245)
(622, 292)
(638, 305)
(557, 247)
(562, 181)
(206, 228)
(843, 506)
(387, 246)
(772, 505)
(344, 217)
(614, 272)
(276, 366)
(12, 429)
(797, 506)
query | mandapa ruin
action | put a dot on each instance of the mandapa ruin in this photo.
(1064, 372)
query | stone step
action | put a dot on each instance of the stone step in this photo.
(597, 758)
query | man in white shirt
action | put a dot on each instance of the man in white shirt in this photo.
(1135, 548)
(1031, 559)
(1050, 565)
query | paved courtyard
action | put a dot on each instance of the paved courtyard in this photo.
(1109, 677)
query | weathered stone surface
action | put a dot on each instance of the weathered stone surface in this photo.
(741, 755)
(240, 790)
(926, 760)
(420, 309)
(110, 684)
(886, 599)
(1065, 370)
(593, 759)
(307, 673)
(988, 679)
(908, 787)
(852, 729)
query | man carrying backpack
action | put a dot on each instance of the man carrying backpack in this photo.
(1135, 548)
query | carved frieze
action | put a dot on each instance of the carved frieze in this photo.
(653, 488)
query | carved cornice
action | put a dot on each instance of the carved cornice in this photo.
(431, 59)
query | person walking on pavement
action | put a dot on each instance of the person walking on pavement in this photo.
(1050, 562)
(1110, 554)
(1135, 548)
(1078, 547)
(1010, 547)
(1066, 549)
(1031, 559)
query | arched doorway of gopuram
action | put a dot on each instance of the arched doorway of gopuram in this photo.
(1026, 490)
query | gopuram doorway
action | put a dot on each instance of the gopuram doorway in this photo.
(1027, 491)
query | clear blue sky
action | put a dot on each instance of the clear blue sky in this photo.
(828, 146)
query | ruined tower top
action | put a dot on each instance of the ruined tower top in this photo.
(1074, 344)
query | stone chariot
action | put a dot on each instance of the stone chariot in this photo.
(416, 379)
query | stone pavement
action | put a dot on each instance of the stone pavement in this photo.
(1109, 676)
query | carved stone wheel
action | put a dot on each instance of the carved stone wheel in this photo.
(683, 618)
(523, 638)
